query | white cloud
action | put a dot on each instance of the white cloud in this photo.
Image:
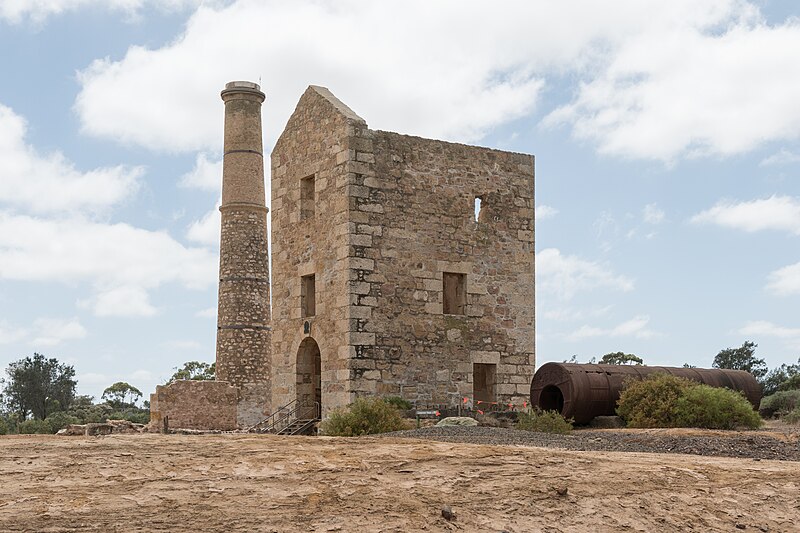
(567, 314)
(206, 230)
(184, 345)
(122, 301)
(10, 333)
(652, 214)
(118, 260)
(763, 327)
(767, 329)
(54, 331)
(19, 11)
(449, 81)
(785, 281)
(635, 327)
(543, 212)
(774, 213)
(206, 174)
(210, 312)
(47, 183)
(565, 275)
(783, 157)
(719, 84)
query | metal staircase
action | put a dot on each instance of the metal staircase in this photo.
(290, 419)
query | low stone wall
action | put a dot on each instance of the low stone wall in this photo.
(189, 404)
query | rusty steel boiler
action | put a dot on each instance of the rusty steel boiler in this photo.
(584, 391)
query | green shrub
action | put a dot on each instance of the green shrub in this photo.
(398, 402)
(780, 403)
(650, 403)
(543, 421)
(137, 416)
(60, 420)
(792, 417)
(702, 406)
(28, 427)
(365, 416)
(663, 400)
(4, 429)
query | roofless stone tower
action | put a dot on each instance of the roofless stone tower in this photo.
(243, 332)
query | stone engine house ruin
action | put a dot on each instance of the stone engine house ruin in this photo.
(401, 266)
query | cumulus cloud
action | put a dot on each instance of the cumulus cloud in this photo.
(763, 328)
(118, 260)
(783, 157)
(206, 174)
(785, 281)
(123, 301)
(206, 230)
(719, 85)
(54, 331)
(37, 11)
(652, 214)
(49, 182)
(566, 275)
(543, 212)
(10, 333)
(780, 213)
(635, 327)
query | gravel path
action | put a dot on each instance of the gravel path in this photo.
(751, 445)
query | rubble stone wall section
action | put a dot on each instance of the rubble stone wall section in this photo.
(413, 219)
(191, 404)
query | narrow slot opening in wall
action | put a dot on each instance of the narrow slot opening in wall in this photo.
(308, 299)
(454, 291)
(307, 200)
(478, 200)
(484, 377)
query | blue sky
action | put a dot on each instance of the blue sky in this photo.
(666, 136)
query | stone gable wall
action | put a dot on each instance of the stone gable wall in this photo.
(392, 214)
(314, 143)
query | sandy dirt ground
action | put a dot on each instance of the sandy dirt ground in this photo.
(256, 483)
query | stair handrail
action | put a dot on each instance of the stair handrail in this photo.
(286, 415)
(314, 410)
(280, 415)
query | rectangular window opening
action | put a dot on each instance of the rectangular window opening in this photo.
(454, 290)
(308, 299)
(307, 200)
(478, 201)
(484, 377)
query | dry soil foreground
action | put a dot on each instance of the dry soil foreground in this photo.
(274, 484)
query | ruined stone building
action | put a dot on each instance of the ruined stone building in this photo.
(401, 266)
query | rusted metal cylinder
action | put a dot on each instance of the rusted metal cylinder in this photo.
(583, 391)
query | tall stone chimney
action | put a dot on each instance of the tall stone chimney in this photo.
(243, 319)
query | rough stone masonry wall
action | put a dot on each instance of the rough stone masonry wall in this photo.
(192, 404)
(314, 143)
(412, 214)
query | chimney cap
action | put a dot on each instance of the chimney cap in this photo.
(242, 88)
(242, 85)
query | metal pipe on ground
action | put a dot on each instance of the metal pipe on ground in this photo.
(584, 391)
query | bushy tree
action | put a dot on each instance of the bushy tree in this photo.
(38, 386)
(785, 377)
(195, 370)
(742, 358)
(121, 395)
(620, 358)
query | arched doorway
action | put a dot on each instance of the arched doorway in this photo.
(309, 373)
